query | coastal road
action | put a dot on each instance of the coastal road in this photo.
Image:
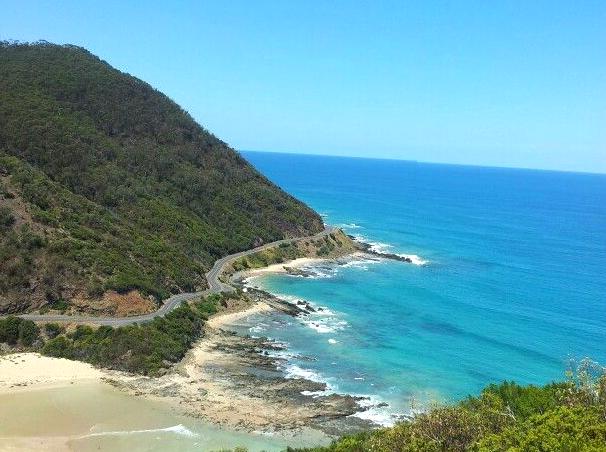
(212, 278)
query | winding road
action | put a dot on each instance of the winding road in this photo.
(214, 286)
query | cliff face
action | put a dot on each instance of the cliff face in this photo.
(108, 185)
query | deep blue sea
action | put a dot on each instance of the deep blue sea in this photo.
(512, 286)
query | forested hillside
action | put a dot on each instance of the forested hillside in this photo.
(111, 193)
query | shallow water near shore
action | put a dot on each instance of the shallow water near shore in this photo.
(507, 279)
(95, 416)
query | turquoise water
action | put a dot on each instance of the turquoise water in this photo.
(513, 284)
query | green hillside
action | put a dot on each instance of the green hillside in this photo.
(108, 185)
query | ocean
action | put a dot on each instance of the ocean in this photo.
(507, 280)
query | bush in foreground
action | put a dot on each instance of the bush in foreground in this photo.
(568, 416)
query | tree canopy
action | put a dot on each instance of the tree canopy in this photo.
(106, 183)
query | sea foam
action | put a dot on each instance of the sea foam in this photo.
(385, 248)
(349, 226)
(179, 429)
(415, 259)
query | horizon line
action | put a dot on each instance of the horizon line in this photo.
(473, 165)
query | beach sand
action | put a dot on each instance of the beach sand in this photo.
(225, 318)
(22, 371)
(226, 380)
(90, 416)
(279, 268)
(217, 384)
(208, 386)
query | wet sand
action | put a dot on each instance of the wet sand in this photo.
(91, 415)
(58, 404)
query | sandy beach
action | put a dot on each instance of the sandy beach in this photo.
(229, 381)
(279, 268)
(28, 371)
(225, 318)
(225, 380)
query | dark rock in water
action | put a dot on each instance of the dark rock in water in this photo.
(306, 358)
(341, 426)
(277, 303)
(394, 257)
(253, 372)
(293, 271)
(306, 306)
(367, 248)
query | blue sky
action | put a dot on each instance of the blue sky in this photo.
(518, 84)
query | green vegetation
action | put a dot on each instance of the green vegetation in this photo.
(52, 330)
(568, 416)
(275, 255)
(144, 349)
(334, 244)
(18, 332)
(106, 184)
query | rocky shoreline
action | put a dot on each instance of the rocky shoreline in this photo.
(236, 382)
(366, 248)
(256, 373)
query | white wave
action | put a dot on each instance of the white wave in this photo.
(294, 371)
(326, 325)
(361, 264)
(324, 310)
(332, 341)
(317, 393)
(380, 415)
(318, 273)
(385, 248)
(250, 281)
(260, 328)
(415, 259)
(377, 247)
(264, 432)
(283, 355)
(176, 429)
(350, 226)
(320, 310)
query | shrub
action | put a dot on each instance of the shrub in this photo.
(144, 349)
(9, 330)
(6, 218)
(28, 333)
(561, 429)
(52, 330)
(568, 416)
(59, 347)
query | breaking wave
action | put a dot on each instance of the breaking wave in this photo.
(386, 249)
(179, 429)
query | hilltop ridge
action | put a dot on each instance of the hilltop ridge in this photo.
(111, 196)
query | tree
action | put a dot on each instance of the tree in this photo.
(28, 333)
(9, 330)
